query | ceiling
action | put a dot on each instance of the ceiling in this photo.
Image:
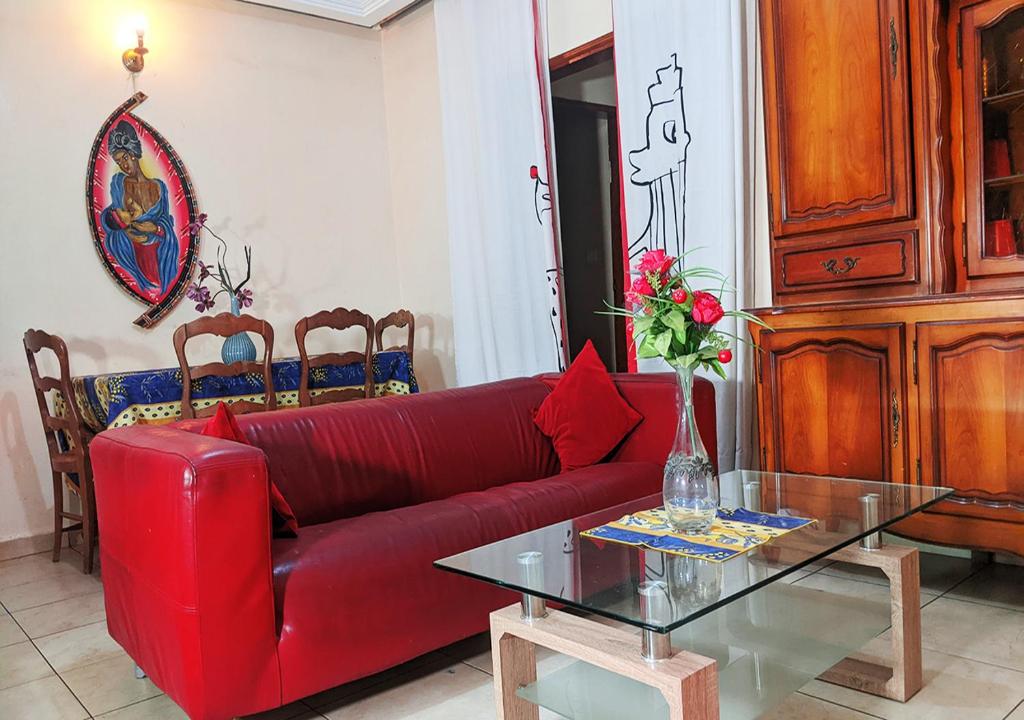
(366, 13)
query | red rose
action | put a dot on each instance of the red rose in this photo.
(657, 262)
(724, 356)
(534, 173)
(642, 287)
(706, 308)
(679, 296)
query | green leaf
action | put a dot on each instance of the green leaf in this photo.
(676, 319)
(717, 367)
(646, 348)
(708, 353)
(662, 342)
(642, 324)
(689, 361)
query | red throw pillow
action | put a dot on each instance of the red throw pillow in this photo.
(223, 425)
(585, 416)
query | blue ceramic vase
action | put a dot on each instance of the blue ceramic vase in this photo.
(238, 347)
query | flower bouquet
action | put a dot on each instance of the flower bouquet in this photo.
(674, 320)
(238, 347)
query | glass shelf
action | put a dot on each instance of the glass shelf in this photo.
(1005, 181)
(767, 645)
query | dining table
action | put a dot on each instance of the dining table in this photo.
(153, 397)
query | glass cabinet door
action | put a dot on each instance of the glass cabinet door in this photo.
(993, 113)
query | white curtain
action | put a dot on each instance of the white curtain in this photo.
(693, 171)
(495, 97)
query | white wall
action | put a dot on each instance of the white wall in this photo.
(280, 119)
(572, 23)
(416, 153)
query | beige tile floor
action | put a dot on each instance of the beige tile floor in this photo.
(58, 663)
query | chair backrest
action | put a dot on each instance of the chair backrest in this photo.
(66, 453)
(225, 325)
(336, 319)
(397, 319)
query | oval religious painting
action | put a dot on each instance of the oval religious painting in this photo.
(141, 205)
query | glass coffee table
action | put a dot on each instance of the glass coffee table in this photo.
(658, 635)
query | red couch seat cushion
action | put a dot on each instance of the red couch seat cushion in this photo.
(585, 416)
(223, 425)
(375, 573)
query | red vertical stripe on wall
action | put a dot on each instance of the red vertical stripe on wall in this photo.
(624, 234)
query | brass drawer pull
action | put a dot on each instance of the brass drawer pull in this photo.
(832, 265)
(895, 420)
(894, 46)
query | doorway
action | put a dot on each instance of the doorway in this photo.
(587, 161)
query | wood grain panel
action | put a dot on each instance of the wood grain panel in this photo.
(836, 113)
(832, 393)
(972, 406)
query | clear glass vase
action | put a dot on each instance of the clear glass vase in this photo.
(691, 485)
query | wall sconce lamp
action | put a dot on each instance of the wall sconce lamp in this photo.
(134, 58)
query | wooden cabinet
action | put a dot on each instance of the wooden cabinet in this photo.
(989, 127)
(836, 395)
(918, 391)
(898, 253)
(838, 120)
(853, 173)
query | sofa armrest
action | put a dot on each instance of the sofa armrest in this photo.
(185, 535)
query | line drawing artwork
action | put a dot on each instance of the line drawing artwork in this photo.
(541, 205)
(660, 165)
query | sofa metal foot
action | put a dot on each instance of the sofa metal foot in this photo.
(140, 674)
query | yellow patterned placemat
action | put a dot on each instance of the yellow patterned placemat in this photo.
(732, 533)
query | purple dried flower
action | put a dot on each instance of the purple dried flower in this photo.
(244, 297)
(204, 302)
(194, 291)
(199, 224)
(204, 271)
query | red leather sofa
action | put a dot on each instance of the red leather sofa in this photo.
(228, 621)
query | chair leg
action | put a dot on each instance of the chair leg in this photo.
(88, 524)
(58, 518)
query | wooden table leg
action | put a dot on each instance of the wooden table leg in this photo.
(688, 682)
(515, 665)
(903, 678)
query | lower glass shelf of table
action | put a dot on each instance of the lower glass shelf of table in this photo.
(767, 645)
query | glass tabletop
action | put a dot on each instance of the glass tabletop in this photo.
(603, 577)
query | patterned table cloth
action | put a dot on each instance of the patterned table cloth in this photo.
(153, 397)
(733, 532)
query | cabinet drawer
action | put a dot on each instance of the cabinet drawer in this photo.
(891, 259)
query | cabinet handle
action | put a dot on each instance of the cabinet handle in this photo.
(894, 46)
(832, 265)
(895, 420)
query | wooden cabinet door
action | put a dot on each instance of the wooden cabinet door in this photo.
(833, 401)
(991, 34)
(971, 400)
(837, 119)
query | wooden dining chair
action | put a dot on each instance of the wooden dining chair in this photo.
(67, 442)
(397, 319)
(336, 319)
(225, 325)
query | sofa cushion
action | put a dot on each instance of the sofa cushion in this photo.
(345, 459)
(223, 425)
(585, 416)
(361, 582)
